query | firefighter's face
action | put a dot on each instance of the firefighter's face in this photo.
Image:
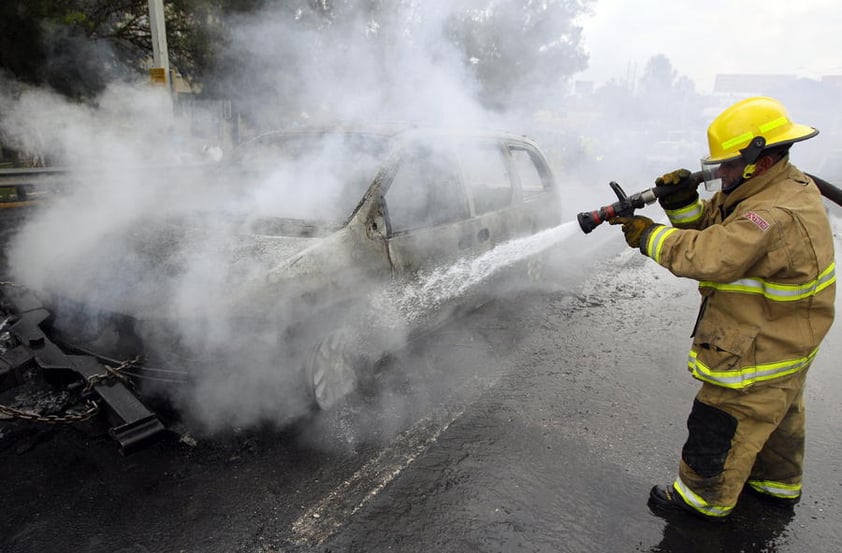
(731, 172)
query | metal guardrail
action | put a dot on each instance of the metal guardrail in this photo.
(21, 186)
(33, 177)
(60, 175)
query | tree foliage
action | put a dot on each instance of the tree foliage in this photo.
(77, 46)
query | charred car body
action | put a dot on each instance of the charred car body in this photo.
(293, 284)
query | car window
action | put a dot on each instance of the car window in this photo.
(486, 176)
(532, 179)
(425, 191)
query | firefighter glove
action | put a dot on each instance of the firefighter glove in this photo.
(685, 190)
(633, 227)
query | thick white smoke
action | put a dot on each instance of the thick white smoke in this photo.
(172, 247)
(360, 69)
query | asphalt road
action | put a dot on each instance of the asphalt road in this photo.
(537, 423)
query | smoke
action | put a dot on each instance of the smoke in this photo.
(398, 67)
(177, 249)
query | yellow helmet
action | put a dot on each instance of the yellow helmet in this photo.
(760, 117)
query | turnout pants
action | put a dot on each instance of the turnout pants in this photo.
(739, 437)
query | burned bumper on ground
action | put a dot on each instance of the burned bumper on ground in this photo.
(81, 384)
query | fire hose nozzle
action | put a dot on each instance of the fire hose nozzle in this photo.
(625, 205)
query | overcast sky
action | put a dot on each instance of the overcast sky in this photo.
(702, 39)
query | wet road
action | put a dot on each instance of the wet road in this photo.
(538, 423)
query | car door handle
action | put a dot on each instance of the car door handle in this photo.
(483, 235)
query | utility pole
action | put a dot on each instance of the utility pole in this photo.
(160, 73)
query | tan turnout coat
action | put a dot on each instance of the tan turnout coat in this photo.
(764, 259)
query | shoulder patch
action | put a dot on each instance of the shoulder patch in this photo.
(761, 223)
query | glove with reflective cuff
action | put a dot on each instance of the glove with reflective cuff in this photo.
(634, 228)
(685, 193)
(644, 238)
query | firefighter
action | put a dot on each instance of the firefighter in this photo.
(761, 249)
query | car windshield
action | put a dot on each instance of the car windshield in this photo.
(309, 176)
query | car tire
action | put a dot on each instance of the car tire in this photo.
(332, 369)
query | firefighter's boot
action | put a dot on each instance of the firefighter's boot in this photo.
(664, 502)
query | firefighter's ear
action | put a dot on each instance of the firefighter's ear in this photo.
(765, 162)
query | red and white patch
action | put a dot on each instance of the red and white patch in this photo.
(761, 223)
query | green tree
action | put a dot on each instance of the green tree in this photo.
(77, 46)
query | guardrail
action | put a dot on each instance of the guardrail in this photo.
(57, 175)
(32, 177)
(21, 185)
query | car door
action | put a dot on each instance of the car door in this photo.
(489, 182)
(535, 206)
(427, 211)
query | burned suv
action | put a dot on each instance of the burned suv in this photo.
(309, 253)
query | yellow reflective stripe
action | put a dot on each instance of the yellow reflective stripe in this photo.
(687, 214)
(745, 137)
(776, 489)
(694, 500)
(655, 241)
(777, 292)
(826, 277)
(745, 377)
(779, 122)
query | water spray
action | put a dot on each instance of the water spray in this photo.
(446, 283)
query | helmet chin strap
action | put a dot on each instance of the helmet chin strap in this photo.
(748, 172)
(750, 154)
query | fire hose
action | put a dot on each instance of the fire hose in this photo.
(626, 205)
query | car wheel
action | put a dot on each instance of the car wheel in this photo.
(331, 372)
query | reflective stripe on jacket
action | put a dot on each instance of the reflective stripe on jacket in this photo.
(764, 259)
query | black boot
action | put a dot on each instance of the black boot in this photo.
(664, 501)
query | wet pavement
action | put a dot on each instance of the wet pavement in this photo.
(537, 423)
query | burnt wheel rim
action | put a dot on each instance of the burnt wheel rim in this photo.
(332, 374)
